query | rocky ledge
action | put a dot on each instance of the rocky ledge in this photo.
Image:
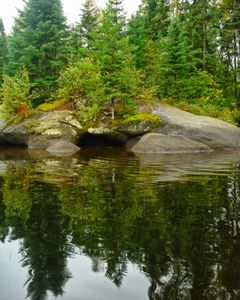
(163, 129)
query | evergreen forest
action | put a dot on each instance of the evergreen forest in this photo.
(182, 52)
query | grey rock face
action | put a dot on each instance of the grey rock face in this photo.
(213, 132)
(159, 143)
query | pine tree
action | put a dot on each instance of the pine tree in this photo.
(37, 42)
(3, 50)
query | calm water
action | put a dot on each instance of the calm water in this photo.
(107, 225)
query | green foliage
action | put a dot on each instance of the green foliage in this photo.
(202, 88)
(15, 95)
(81, 82)
(178, 50)
(89, 115)
(236, 117)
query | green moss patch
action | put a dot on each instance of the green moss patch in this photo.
(48, 106)
(143, 117)
(138, 124)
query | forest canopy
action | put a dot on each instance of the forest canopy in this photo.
(183, 52)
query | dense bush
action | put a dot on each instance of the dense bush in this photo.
(15, 94)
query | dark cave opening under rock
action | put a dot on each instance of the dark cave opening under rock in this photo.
(93, 140)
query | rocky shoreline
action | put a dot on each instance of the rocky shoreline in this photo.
(176, 131)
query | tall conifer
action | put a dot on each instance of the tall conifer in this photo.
(114, 53)
(89, 21)
(37, 42)
(3, 49)
(230, 46)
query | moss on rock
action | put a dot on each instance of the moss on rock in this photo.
(138, 124)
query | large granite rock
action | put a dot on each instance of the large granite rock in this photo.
(40, 131)
(160, 143)
(210, 131)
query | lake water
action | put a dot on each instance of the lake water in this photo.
(108, 225)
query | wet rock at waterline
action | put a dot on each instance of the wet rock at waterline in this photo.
(160, 143)
(63, 148)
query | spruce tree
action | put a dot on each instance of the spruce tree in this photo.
(3, 50)
(157, 14)
(114, 54)
(16, 47)
(89, 21)
(146, 29)
(176, 63)
(230, 47)
(37, 42)
(81, 33)
(202, 24)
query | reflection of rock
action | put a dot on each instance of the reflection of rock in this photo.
(210, 131)
(159, 143)
(176, 166)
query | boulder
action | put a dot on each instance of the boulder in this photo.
(63, 148)
(160, 143)
(213, 132)
(41, 130)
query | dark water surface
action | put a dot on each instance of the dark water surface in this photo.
(105, 224)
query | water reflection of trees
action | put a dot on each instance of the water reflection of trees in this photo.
(184, 236)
